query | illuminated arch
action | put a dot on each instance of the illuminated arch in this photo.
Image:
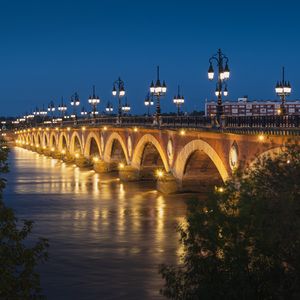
(28, 138)
(108, 147)
(63, 136)
(39, 138)
(53, 137)
(45, 139)
(90, 137)
(139, 149)
(190, 148)
(75, 136)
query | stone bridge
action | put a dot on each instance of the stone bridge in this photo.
(184, 159)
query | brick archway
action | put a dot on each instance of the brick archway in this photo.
(60, 141)
(190, 148)
(108, 147)
(75, 136)
(139, 149)
(92, 136)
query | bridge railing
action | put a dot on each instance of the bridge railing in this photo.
(243, 124)
(289, 121)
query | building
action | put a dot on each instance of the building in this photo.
(244, 107)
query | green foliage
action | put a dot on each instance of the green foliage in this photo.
(18, 255)
(244, 242)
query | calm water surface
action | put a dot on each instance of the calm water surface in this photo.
(106, 238)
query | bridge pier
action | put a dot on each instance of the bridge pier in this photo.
(168, 184)
(129, 173)
(83, 162)
(102, 167)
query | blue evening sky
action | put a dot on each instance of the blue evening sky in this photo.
(50, 49)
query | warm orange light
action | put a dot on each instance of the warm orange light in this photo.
(135, 129)
(63, 151)
(69, 128)
(261, 137)
(95, 159)
(182, 132)
(220, 189)
(37, 145)
(76, 155)
(104, 128)
(44, 147)
(56, 128)
(83, 128)
(159, 173)
(121, 166)
(52, 149)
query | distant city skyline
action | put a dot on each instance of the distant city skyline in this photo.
(54, 48)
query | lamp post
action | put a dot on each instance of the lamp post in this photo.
(109, 108)
(148, 102)
(62, 108)
(43, 113)
(75, 101)
(51, 109)
(223, 75)
(119, 91)
(126, 108)
(158, 90)
(178, 100)
(83, 112)
(94, 100)
(283, 89)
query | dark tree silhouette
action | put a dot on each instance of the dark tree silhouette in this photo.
(244, 241)
(19, 256)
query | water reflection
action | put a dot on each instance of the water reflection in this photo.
(107, 237)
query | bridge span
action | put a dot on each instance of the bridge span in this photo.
(180, 159)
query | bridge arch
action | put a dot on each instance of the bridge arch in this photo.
(198, 161)
(45, 139)
(53, 140)
(92, 145)
(115, 141)
(139, 151)
(39, 139)
(63, 142)
(76, 143)
(28, 138)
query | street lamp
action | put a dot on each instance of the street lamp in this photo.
(62, 108)
(83, 112)
(43, 113)
(51, 109)
(126, 107)
(178, 100)
(158, 90)
(94, 100)
(223, 76)
(119, 91)
(109, 108)
(283, 89)
(148, 102)
(75, 101)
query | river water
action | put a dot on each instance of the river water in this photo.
(107, 238)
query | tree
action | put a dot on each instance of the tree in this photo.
(244, 241)
(18, 256)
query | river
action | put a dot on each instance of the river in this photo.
(106, 238)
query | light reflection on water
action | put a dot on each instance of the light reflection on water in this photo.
(107, 238)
